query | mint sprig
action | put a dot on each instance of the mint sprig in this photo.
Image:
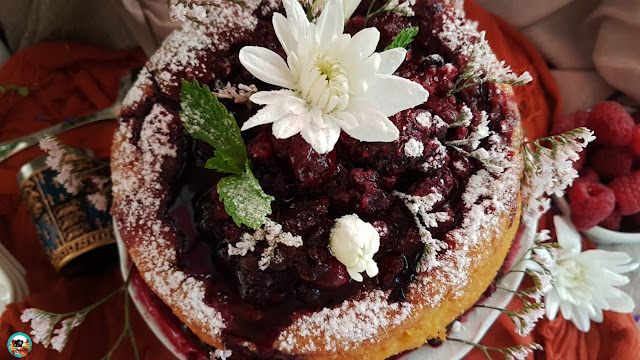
(206, 119)
(404, 38)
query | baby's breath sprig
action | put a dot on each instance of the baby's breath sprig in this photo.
(390, 6)
(548, 168)
(77, 171)
(518, 352)
(43, 323)
(483, 66)
(525, 319)
(240, 94)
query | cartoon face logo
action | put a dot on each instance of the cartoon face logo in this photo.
(19, 345)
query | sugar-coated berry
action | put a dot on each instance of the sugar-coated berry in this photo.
(611, 162)
(627, 191)
(590, 203)
(611, 124)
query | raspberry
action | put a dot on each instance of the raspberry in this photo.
(627, 191)
(636, 117)
(611, 123)
(612, 222)
(578, 164)
(611, 162)
(590, 203)
(635, 141)
(588, 174)
(570, 122)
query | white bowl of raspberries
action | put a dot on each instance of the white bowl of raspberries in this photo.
(604, 200)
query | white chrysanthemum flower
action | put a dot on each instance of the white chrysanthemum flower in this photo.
(585, 282)
(354, 242)
(332, 81)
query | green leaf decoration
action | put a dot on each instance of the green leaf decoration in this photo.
(206, 119)
(23, 91)
(404, 38)
(244, 199)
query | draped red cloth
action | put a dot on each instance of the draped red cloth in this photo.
(70, 80)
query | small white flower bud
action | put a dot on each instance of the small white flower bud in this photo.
(354, 242)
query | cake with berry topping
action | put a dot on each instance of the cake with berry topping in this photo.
(346, 185)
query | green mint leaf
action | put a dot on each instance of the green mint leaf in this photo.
(23, 91)
(244, 199)
(224, 162)
(206, 119)
(404, 38)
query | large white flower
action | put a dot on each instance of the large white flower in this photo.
(332, 81)
(584, 281)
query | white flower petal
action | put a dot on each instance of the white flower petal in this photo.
(349, 7)
(270, 97)
(346, 120)
(267, 66)
(391, 59)
(394, 94)
(355, 275)
(298, 22)
(289, 126)
(296, 105)
(364, 42)
(322, 138)
(372, 269)
(581, 321)
(552, 304)
(266, 115)
(330, 24)
(619, 301)
(373, 125)
(287, 39)
(567, 236)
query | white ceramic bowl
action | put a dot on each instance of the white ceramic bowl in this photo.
(598, 234)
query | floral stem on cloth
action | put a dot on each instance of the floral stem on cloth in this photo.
(43, 323)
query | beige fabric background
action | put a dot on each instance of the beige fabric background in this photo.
(592, 46)
(117, 24)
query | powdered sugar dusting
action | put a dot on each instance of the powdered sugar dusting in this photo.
(185, 49)
(136, 93)
(350, 324)
(139, 202)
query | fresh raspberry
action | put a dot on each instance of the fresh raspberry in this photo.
(611, 124)
(627, 191)
(635, 141)
(636, 117)
(611, 162)
(590, 203)
(570, 122)
(588, 174)
(612, 222)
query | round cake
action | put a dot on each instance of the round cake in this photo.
(443, 197)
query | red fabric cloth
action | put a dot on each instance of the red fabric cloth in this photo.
(69, 80)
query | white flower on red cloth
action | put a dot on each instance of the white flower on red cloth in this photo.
(354, 243)
(331, 81)
(584, 281)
